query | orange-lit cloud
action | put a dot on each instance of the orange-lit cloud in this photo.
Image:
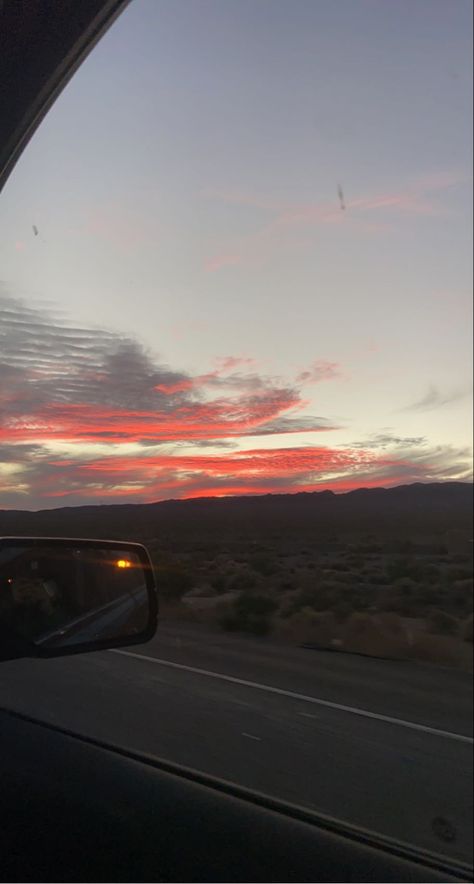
(65, 383)
(253, 471)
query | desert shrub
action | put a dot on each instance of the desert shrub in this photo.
(286, 585)
(402, 546)
(339, 565)
(402, 566)
(402, 598)
(426, 595)
(219, 583)
(379, 636)
(320, 597)
(442, 624)
(342, 610)
(370, 548)
(242, 581)
(309, 626)
(348, 578)
(355, 562)
(405, 587)
(443, 650)
(364, 595)
(263, 564)
(249, 613)
(430, 571)
(372, 577)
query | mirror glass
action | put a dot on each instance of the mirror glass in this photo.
(60, 596)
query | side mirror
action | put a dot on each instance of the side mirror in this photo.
(66, 596)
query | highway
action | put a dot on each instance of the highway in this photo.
(381, 744)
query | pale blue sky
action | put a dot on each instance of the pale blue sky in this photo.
(185, 192)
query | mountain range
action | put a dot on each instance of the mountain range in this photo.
(404, 511)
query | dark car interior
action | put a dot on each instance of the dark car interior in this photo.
(73, 808)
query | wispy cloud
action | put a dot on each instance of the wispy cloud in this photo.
(390, 440)
(435, 398)
(320, 370)
(368, 213)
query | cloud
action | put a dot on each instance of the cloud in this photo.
(367, 213)
(304, 424)
(227, 363)
(415, 199)
(61, 382)
(222, 376)
(434, 398)
(320, 370)
(253, 471)
(389, 440)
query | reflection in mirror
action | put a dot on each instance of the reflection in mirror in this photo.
(62, 596)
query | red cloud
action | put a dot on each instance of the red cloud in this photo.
(253, 471)
(225, 365)
(215, 419)
(171, 389)
(251, 463)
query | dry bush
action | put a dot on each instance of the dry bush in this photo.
(391, 623)
(380, 636)
(309, 626)
(250, 612)
(445, 650)
(441, 623)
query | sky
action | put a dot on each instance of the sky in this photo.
(236, 257)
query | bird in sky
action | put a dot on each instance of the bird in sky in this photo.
(35, 229)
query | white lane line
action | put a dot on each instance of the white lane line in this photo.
(251, 737)
(353, 710)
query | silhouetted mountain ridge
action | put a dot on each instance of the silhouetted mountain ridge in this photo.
(403, 510)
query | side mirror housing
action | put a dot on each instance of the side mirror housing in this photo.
(71, 595)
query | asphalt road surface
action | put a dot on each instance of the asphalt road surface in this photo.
(384, 745)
